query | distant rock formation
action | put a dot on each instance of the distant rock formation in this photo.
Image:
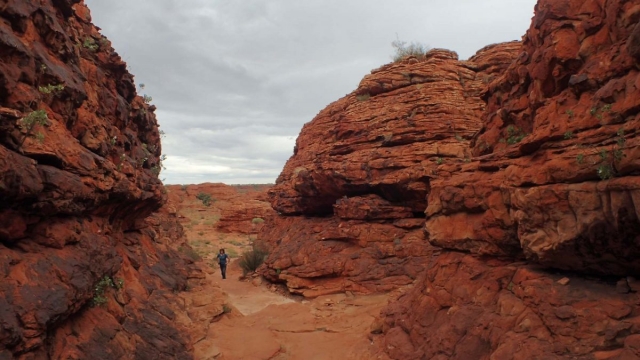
(238, 209)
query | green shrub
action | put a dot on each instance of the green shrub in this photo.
(363, 97)
(205, 198)
(50, 89)
(605, 171)
(99, 297)
(29, 122)
(514, 135)
(251, 260)
(90, 44)
(568, 135)
(257, 221)
(610, 159)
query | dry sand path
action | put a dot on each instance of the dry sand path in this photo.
(262, 324)
(266, 325)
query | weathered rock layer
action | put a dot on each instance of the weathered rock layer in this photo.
(526, 160)
(83, 270)
(363, 169)
(560, 120)
(553, 180)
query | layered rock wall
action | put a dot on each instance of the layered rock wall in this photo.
(560, 121)
(553, 179)
(83, 270)
(526, 160)
(353, 195)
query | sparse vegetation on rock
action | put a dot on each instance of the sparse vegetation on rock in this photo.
(205, 198)
(101, 288)
(404, 49)
(250, 261)
(29, 122)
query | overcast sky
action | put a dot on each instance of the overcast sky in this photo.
(235, 80)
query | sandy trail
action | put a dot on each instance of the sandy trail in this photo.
(266, 325)
(262, 324)
(245, 296)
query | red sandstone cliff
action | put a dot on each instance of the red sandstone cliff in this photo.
(526, 160)
(554, 179)
(83, 269)
(353, 194)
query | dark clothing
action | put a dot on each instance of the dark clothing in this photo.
(223, 270)
(222, 260)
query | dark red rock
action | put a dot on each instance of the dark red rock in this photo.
(466, 307)
(75, 199)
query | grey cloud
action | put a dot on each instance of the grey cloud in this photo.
(234, 81)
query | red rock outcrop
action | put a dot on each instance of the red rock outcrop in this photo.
(368, 160)
(562, 119)
(83, 270)
(525, 157)
(467, 307)
(554, 179)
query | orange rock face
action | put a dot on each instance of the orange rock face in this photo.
(364, 168)
(561, 119)
(466, 307)
(83, 270)
(525, 158)
(389, 136)
(553, 180)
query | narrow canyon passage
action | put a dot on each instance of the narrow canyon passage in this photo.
(265, 325)
(249, 318)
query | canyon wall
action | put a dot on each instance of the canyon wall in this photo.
(84, 268)
(524, 159)
(553, 179)
(352, 197)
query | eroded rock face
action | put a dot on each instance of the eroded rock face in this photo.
(562, 118)
(466, 307)
(79, 158)
(554, 181)
(318, 256)
(363, 168)
(386, 137)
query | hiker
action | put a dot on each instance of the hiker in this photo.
(223, 258)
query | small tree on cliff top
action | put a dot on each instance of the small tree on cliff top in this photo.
(413, 49)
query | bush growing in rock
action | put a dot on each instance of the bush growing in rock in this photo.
(205, 198)
(413, 49)
(251, 260)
